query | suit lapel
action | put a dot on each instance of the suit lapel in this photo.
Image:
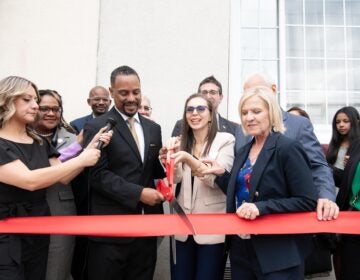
(261, 162)
(222, 124)
(189, 192)
(63, 139)
(122, 128)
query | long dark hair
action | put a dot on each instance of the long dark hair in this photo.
(337, 138)
(187, 135)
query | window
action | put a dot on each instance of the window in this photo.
(310, 49)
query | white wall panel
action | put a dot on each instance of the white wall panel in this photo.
(172, 44)
(72, 45)
(54, 44)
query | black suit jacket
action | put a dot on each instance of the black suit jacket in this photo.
(118, 178)
(280, 182)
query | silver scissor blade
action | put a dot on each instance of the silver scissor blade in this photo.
(177, 208)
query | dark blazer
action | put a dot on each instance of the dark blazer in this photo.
(280, 182)
(118, 178)
(78, 124)
(224, 125)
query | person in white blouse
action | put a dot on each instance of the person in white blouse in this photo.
(199, 256)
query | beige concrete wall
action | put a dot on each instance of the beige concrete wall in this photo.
(54, 44)
(172, 44)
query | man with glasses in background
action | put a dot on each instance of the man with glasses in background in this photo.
(145, 107)
(99, 101)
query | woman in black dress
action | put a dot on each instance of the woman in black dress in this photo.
(28, 165)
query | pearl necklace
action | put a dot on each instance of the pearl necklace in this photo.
(45, 135)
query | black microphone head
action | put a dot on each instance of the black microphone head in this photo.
(110, 123)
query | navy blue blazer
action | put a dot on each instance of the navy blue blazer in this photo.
(281, 182)
(78, 124)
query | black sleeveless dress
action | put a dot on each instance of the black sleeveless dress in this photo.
(23, 254)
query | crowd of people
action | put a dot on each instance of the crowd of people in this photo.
(270, 163)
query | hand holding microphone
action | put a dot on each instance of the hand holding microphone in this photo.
(103, 137)
(110, 123)
(91, 154)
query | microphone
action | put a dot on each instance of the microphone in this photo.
(110, 123)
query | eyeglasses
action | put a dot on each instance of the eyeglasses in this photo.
(47, 109)
(211, 92)
(200, 109)
(145, 108)
(99, 99)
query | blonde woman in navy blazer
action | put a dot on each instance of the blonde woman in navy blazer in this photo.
(200, 256)
(271, 174)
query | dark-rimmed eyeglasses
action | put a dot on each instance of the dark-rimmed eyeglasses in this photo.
(199, 109)
(211, 92)
(47, 109)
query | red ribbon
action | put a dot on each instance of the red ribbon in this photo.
(161, 225)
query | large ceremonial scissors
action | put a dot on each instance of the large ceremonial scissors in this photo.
(168, 192)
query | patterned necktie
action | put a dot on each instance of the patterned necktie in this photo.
(131, 122)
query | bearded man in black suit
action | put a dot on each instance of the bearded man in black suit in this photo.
(123, 182)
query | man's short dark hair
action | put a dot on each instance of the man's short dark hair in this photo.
(212, 80)
(124, 71)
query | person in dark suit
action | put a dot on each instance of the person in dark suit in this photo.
(301, 129)
(123, 182)
(212, 89)
(99, 101)
(271, 174)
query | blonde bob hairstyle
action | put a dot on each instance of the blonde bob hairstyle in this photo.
(11, 88)
(270, 102)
